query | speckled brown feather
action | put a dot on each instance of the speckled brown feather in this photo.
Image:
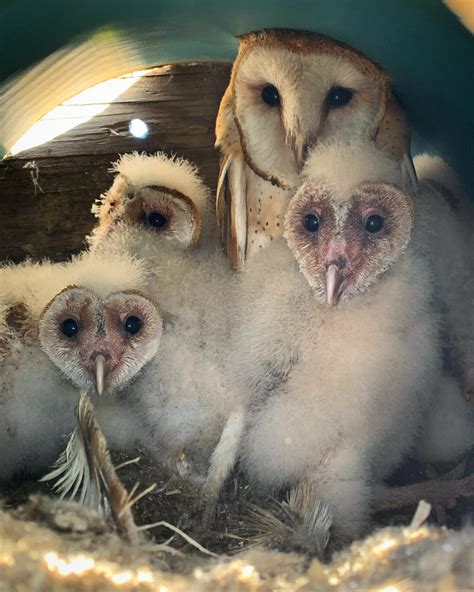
(393, 133)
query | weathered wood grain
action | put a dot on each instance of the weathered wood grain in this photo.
(179, 103)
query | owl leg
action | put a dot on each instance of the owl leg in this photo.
(222, 461)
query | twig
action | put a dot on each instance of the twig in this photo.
(177, 530)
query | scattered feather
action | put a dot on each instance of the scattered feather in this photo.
(85, 471)
(304, 522)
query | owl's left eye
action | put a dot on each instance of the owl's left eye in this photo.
(270, 95)
(374, 223)
(339, 96)
(132, 325)
(156, 220)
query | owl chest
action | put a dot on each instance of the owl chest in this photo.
(266, 207)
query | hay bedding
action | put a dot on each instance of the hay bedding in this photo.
(48, 544)
(51, 545)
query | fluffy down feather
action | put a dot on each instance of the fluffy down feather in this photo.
(184, 395)
(338, 393)
(172, 172)
(444, 235)
(36, 400)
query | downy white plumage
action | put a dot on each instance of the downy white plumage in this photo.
(37, 395)
(155, 210)
(338, 336)
(444, 235)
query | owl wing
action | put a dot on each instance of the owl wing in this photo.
(394, 138)
(231, 201)
(231, 207)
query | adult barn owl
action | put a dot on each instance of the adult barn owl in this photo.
(288, 91)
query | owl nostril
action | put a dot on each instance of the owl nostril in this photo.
(105, 354)
(340, 262)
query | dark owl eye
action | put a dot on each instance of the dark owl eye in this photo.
(339, 97)
(156, 220)
(69, 328)
(374, 223)
(311, 222)
(132, 325)
(270, 95)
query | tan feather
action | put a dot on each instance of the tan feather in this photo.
(85, 469)
(232, 209)
(301, 521)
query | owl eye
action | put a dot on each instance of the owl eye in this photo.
(270, 95)
(374, 223)
(311, 222)
(156, 220)
(132, 325)
(69, 328)
(339, 96)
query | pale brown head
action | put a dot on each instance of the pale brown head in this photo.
(291, 90)
(344, 243)
(162, 193)
(100, 343)
(164, 212)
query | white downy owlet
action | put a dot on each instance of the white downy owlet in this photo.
(338, 339)
(83, 331)
(157, 209)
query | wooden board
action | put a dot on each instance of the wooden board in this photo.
(179, 104)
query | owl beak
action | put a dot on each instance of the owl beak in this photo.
(99, 374)
(299, 147)
(334, 279)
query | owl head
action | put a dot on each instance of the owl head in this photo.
(291, 90)
(100, 343)
(350, 221)
(161, 194)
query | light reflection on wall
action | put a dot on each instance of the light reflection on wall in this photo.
(78, 110)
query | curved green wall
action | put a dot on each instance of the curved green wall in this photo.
(422, 45)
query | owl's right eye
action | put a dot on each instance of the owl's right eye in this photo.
(156, 220)
(132, 325)
(69, 328)
(270, 95)
(339, 96)
(311, 223)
